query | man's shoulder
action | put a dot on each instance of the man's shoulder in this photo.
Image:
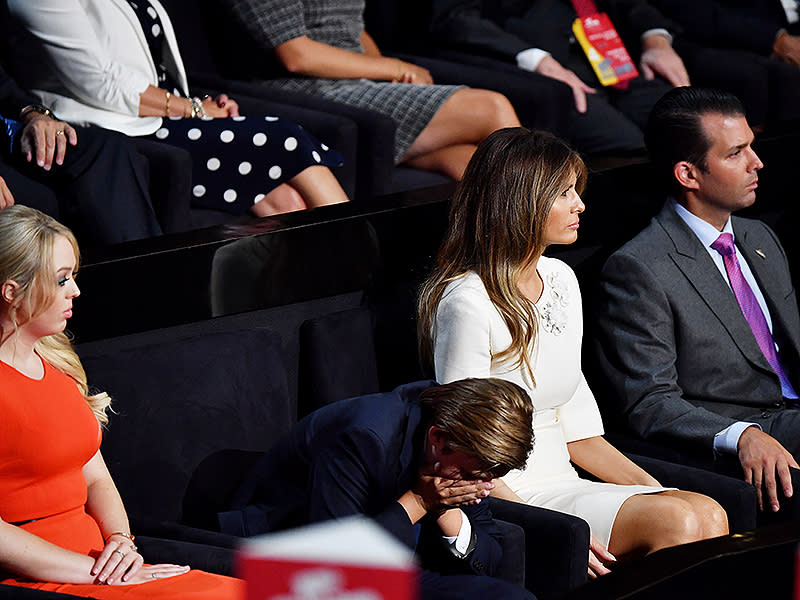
(651, 242)
(382, 413)
(752, 227)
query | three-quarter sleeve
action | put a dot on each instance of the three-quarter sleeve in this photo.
(580, 416)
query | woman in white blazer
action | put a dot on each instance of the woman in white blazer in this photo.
(116, 64)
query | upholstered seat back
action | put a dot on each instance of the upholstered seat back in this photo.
(178, 401)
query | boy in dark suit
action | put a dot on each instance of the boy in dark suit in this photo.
(419, 461)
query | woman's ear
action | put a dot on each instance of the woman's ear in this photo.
(9, 291)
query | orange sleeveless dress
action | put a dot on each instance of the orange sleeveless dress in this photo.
(47, 435)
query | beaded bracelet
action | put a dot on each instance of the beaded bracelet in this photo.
(198, 112)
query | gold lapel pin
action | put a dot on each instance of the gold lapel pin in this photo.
(760, 252)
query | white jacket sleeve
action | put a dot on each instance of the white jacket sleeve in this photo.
(461, 335)
(79, 50)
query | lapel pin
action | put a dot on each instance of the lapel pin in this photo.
(760, 252)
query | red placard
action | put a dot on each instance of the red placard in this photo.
(603, 47)
(276, 579)
(350, 559)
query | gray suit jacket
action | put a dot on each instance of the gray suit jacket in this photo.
(681, 361)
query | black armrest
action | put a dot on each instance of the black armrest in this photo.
(512, 567)
(182, 533)
(170, 183)
(556, 547)
(198, 556)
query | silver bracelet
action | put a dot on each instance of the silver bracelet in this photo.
(198, 112)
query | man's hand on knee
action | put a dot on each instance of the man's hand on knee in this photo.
(45, 139)
(766, 464)
(550, 67)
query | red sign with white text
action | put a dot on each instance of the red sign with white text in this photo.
(603, 47)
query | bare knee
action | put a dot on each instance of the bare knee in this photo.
(713, 517)
(501, 109)
(682, 524)
(486, 109)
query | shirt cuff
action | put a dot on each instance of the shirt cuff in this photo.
(727, 440)
(658, 31)
(529, 59)
(461, 541)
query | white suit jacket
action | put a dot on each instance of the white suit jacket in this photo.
(89, 61)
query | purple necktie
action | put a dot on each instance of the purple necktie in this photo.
(752, 310)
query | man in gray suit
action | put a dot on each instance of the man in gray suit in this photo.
(698, 328)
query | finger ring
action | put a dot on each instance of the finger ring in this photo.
(121, 553)
(155, 576)
(60, 132)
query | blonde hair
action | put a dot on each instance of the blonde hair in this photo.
(27, 237)
(488, 419)
(497, 220)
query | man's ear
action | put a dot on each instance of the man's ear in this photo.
(686, 174)
(9, 290)
(438, 438)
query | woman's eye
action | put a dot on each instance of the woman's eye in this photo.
(62, 281)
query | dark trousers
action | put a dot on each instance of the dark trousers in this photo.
(101, 190)
(614, 119)
(768, 88)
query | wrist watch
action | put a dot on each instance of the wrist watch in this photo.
(37, 108)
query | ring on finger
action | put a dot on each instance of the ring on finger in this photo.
(60, 132)
(120, 552)
(154, 575)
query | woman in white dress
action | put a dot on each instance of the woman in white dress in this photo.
(495, 307)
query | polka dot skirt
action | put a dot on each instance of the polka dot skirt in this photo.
(237, 161)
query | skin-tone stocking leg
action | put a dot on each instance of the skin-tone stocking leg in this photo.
(650, 522)
(463, 121)
(312, 187)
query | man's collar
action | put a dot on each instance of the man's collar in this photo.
(705, 232)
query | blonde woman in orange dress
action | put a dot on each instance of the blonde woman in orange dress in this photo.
(63, 526)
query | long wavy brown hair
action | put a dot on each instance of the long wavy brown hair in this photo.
(497, 221)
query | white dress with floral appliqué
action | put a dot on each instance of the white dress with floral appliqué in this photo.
(469, 332)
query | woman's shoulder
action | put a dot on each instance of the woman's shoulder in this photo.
(468, 284)
(465, 293)
(552, 265)
(556, 269)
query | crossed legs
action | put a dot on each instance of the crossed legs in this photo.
(310, 188)
(463, 121)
